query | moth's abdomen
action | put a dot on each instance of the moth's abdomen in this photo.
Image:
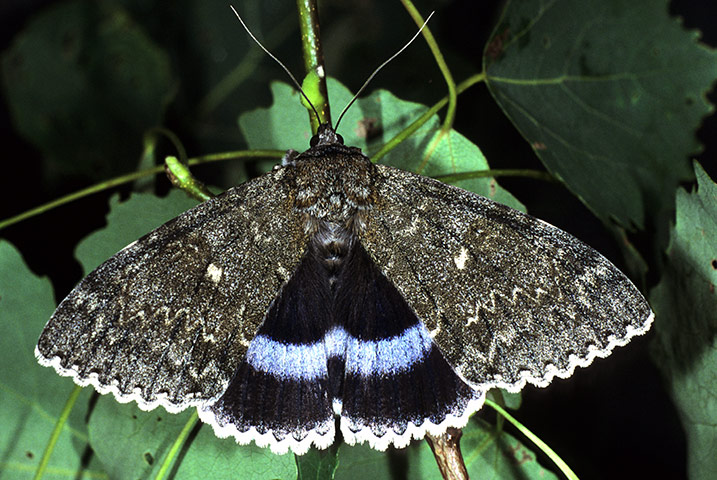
(331, 244)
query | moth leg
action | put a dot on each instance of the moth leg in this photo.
(289, 157)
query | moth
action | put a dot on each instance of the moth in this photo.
(334, 293)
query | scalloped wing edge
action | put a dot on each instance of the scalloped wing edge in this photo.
(314, 437)
(324, 440)
(574, 362)
(104, 388)
(364, 435)
(413, 432)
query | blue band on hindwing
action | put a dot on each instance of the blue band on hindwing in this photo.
(388, 356)
(363, 357)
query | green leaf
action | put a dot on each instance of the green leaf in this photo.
(318, 464)
(509, 400)
(487, 452)
(31, 396)
(131, 443)
(608, 93)
(109, 83)
(134, 444)
(441, 153)
(284, 126)
(361, 461)
(685, 304)
(429, 151)
(125, 225)
(227, 460)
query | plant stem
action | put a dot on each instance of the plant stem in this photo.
(182, 178)
(447, 450)
(176, 446)
(130, 177)
(442, 65)
(537, 174)
(314, 59)
(559, 462)
(59, 425)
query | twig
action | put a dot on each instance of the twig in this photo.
(447, 450)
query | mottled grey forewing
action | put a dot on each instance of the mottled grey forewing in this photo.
(168, 319)
(507, 298)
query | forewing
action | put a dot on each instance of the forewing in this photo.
(507, 298)
(168, 319)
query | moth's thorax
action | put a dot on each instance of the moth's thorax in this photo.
(333, 187)
(332, 184)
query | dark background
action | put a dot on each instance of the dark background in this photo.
(613, 420)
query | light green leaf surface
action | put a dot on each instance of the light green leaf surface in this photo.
(608, 93)
(318, 464)
(510, 401)
(133, 444)
(129, 442)
(32, 396)
(128, 221)
(283, 127)
(685, 305)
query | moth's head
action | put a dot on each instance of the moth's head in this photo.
(326, 135)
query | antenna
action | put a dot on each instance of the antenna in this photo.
(293, 79)
(365, 84)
